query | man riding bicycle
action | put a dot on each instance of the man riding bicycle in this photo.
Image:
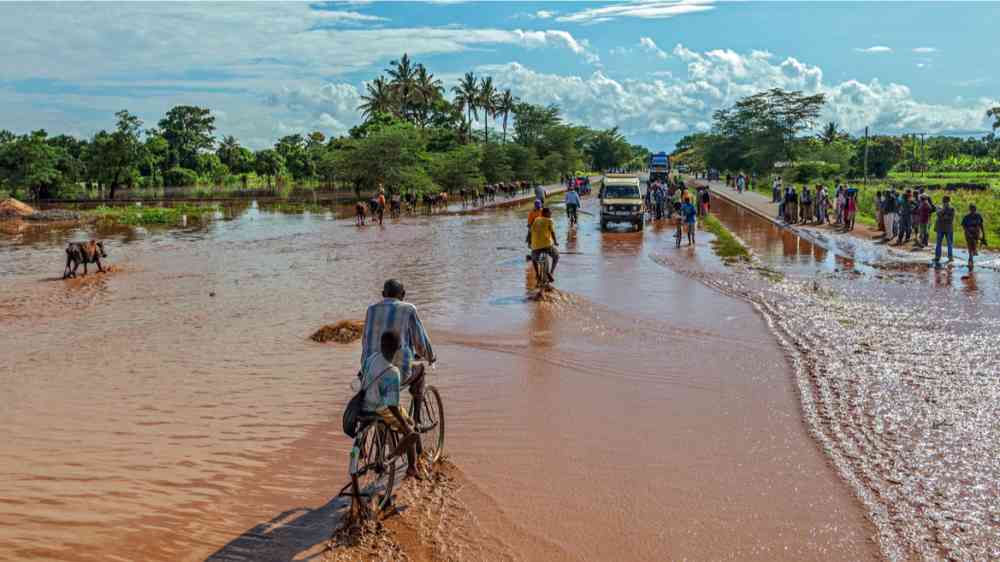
(572, 204)
(400, 318)
(543, 241)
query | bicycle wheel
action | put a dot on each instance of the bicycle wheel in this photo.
(431, 426)
(376, 472)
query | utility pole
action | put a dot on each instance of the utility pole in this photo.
(866, 156)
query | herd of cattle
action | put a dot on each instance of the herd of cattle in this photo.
(430, 203)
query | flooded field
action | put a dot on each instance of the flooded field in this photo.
(168, 409)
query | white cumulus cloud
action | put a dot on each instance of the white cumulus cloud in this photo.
(875, 49)
(648, 44)
(644, 9)
(925, 50)
(674, 105)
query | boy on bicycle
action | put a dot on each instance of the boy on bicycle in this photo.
(381, 379)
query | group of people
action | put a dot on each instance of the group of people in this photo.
(673, 198)
(740, 182)
(907, 215)
(902, 216)
(814, 205)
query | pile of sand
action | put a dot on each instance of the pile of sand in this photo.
(12, 208)
(345, 331)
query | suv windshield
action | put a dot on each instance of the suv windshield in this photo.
(621, 192)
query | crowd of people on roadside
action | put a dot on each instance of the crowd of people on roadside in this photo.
(906, 215)
(901, 216)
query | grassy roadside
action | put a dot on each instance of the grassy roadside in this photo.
(726, 245)
(135, 215)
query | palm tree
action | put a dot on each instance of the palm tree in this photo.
(403, 73)
(995, 114)
(487, 101)
(467, 98)
(378, 98)
(428, 90)
(831, 132)
(505, 106)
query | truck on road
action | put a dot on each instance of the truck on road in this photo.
(659, 167)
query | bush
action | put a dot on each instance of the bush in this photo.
(180, 177)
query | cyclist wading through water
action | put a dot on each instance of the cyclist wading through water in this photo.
(543, 241)
(400, 319)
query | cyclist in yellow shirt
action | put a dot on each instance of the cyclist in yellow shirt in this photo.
(543, 240)
(534, 214)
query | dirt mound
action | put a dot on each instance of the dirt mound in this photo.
(345, 331)
(12, 208)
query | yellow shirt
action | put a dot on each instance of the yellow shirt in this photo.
(543, 233)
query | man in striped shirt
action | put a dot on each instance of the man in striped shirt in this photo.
(394, 315)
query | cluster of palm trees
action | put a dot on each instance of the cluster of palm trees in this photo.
(472, 95)
(411, 93)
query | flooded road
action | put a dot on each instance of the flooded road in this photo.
(164, 410)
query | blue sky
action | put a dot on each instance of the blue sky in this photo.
(655, 69)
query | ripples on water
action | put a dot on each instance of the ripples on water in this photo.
(899, 383)
(141, 410)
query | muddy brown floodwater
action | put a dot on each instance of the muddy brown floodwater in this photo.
(175, 409)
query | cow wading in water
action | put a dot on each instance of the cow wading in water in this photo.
(83, 253)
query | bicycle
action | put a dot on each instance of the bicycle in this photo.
(571, 211)
(373, 469)
(543, 271)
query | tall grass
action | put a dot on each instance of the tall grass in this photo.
(725, 244)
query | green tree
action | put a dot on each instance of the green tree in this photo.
(457, 169)
(488, 103)
(504, 106)
(31, 164)
(760, 130)
(994, 112)
(238, 159)
(268, 163)
(114, 158)
(467, 99)
(495, 164)
(427, 94)
(403, 85)
(377, 98)
(155, 153)
(523, 161)
(188, 130)
(531, 122)
(211, 166)
(608, 149)
(830, 133)
(883, 153)
(391, 156)
(297, 158)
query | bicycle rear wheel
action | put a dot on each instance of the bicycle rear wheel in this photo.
(376, 472)
(431, 427)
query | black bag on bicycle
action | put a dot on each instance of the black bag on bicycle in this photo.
(352, 413)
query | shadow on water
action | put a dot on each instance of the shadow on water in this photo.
(297, 534)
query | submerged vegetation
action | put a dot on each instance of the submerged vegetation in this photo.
(136, 215)
(726, 245)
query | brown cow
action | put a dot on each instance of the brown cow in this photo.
(83, 253)
(360, 213)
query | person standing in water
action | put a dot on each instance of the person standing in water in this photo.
(945, 227)
(975, 232)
